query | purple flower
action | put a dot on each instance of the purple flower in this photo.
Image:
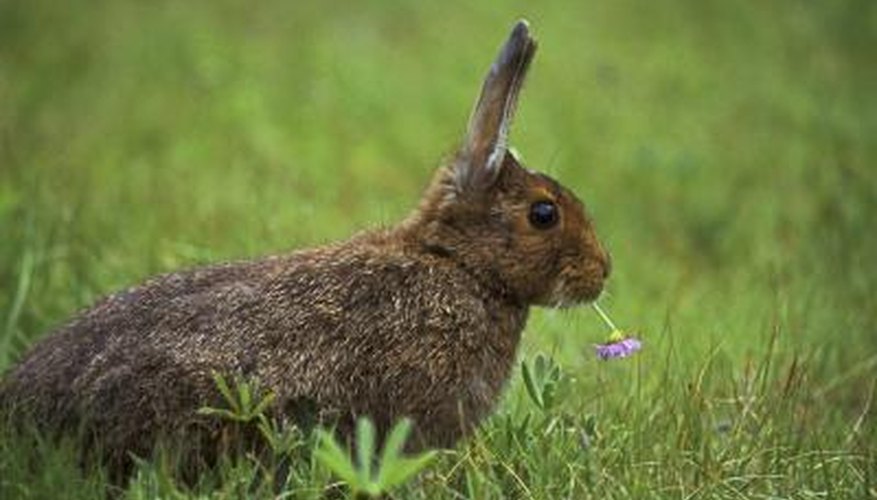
(618, 349)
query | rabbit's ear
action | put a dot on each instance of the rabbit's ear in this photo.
(486, 142)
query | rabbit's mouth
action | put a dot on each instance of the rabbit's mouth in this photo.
(566, 294)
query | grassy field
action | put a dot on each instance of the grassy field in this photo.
(726, 149)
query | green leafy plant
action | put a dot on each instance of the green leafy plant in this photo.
(367, 476)
(246, 406)
(246, 403)
(541, 381)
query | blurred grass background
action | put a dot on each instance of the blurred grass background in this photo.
(726, 149)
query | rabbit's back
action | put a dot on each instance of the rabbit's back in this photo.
(366, 327)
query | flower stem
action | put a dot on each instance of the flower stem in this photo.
(604, 316)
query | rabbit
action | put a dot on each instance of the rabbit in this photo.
(420, 320)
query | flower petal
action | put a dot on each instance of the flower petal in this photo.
(620, 349)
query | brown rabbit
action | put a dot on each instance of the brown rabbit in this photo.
(421, 320)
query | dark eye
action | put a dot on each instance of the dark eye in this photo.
(543, 214)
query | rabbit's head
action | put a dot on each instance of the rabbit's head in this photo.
(501, 221)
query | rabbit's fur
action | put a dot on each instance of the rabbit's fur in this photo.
(422, 320)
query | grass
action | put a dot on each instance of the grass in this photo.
(726, 150)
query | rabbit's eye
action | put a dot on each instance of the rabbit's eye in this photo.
(543, 214)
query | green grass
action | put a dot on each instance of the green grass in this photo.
(726, 149)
